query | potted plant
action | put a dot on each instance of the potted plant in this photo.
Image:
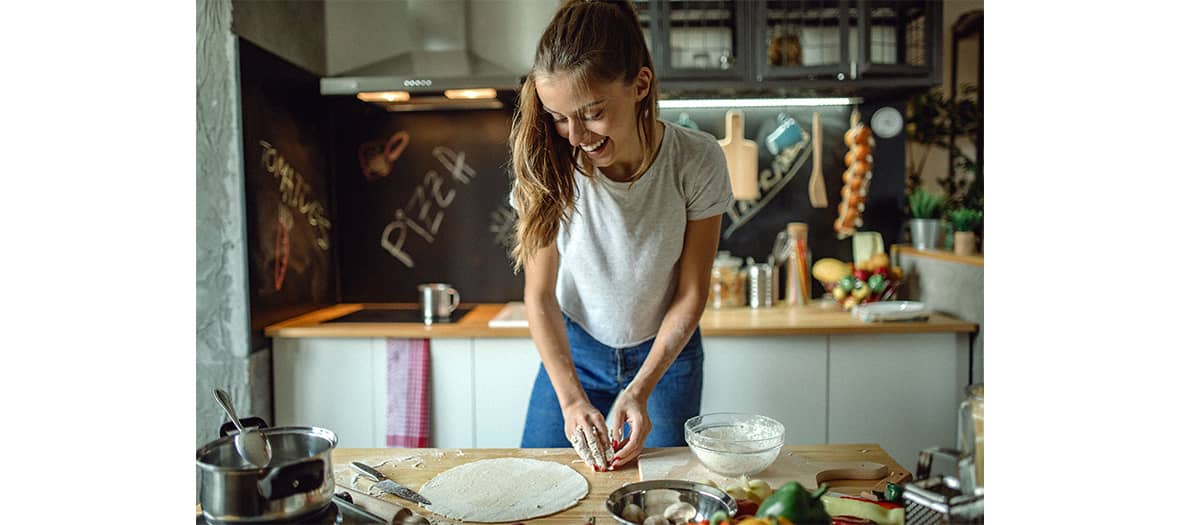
(965, 220)
(930, 120)
(925, 224)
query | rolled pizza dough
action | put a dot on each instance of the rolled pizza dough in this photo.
(504, 489)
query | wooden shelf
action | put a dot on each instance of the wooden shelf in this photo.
(942, 255)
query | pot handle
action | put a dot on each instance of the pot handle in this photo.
(228, 427)
(289, 480)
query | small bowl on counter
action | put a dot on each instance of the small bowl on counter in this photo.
(675, 500)
(734, 444)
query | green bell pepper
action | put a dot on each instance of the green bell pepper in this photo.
(793, 502)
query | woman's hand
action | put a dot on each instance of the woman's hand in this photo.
(586, 429)
(630, 407)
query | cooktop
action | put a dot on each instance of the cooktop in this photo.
(388, 315)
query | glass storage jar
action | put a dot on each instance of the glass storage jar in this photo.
(727, 284)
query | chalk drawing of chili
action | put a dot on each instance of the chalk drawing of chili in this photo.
(282, 246)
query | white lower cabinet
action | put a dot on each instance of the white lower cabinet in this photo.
(452, 373)
(337, 384)
(507, 369)
(900, 391)
(784, 378)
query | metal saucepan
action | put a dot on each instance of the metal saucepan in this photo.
(297, 482)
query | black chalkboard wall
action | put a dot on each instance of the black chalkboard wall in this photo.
(289, 203)
(750, 230)
(423, 198)
(439, 212)
(347, 202)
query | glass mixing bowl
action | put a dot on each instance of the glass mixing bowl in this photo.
(734, 444)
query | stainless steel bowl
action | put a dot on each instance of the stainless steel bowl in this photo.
(705, 499)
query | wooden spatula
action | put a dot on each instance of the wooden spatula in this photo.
(815, 187)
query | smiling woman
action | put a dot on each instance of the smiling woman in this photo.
(619, 220)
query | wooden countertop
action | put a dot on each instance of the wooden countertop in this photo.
(414, 467)
(738, 321)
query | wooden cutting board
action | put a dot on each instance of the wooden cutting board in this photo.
(741, 157)
(792, 464)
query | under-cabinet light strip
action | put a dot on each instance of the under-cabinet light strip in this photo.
(756, 102)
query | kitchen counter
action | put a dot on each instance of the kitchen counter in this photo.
(431, 462)
(741, 321)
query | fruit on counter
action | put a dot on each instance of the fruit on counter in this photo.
(755, 490)
(794, 503)
(839, 293)
(877, 283)
(759, 490)
(829, 270)
(848, 282)
(878, 260)
(872, 280)
(861, 290)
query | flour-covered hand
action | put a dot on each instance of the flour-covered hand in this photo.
(586, 430)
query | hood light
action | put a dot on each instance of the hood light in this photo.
(470, 94)
(384, 96)
(757, 102)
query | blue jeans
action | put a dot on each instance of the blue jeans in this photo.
(604, 372)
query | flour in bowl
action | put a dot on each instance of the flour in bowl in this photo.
(736, 449)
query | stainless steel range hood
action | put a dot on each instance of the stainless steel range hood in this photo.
(424, 48)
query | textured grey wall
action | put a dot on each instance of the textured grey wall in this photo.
(292, 29)
(223, 357)
(948, 287)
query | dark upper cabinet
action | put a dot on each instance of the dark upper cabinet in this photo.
(810, 43)
(698, 39)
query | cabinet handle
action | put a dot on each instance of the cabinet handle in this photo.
(853, 72)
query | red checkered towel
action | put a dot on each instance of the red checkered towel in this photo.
(407, 405)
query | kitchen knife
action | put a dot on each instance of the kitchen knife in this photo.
(388, 485)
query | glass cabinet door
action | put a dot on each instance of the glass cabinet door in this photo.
(646, 12)
(701, 38)
(806, 39)
(898, 37)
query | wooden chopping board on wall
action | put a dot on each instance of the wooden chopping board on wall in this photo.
(741, 157)
(801, 464)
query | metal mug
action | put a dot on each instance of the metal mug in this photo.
(437, 300)
(787, 134)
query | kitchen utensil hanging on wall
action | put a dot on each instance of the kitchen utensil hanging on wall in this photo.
(815, 188)
(741, 157)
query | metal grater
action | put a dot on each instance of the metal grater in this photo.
(942, 500)
(917, 514)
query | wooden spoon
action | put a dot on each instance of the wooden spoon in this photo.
(815, 187)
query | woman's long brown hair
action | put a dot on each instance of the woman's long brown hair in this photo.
(592, 41)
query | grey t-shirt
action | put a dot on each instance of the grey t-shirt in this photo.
(620, 251)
